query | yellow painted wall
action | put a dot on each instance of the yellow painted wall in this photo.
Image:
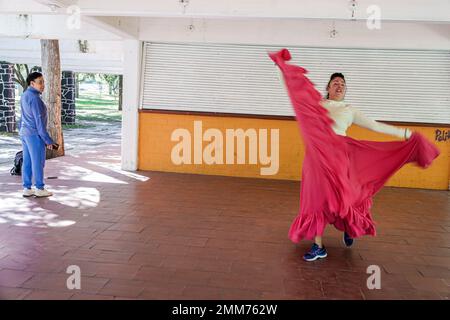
(155, 147)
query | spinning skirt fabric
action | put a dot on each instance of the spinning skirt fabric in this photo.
(340, 175)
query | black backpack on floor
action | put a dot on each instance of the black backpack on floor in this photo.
(17, 169)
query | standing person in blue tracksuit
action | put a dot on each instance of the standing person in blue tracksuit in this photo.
(34, 136)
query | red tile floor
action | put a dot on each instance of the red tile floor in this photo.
(151, 235)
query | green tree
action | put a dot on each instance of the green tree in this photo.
(113, 82)
(82, 77)
(21, 72)
(115, 85)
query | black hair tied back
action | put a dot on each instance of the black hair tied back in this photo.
(335, 75)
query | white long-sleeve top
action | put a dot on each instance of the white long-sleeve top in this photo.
(344, 115)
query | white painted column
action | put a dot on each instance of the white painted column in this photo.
(131, 86)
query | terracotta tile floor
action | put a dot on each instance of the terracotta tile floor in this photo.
(151, 235)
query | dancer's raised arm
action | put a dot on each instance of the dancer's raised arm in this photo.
(360, 119)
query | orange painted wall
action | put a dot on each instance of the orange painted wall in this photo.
(155, 147)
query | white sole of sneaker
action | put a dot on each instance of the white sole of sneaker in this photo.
(316, 257)
(49, 195)
(27, 196)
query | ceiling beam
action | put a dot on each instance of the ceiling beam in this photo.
(398, 10)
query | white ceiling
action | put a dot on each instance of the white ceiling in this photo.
(398, 10)
(138, 19)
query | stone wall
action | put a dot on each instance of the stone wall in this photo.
(7, 95)
(68, 97)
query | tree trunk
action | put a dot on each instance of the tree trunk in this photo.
(51, 69)
(120, 91)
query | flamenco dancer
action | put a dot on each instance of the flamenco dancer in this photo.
(340, 175)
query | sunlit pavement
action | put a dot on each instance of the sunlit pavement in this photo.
(151, 235)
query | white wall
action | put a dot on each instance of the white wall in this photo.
(51, 27)
(103, 56)
(297, 32)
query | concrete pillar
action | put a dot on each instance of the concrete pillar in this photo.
(130, 107)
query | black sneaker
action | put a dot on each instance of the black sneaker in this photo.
(348, 241)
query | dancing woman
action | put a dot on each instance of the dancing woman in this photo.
(340, 175)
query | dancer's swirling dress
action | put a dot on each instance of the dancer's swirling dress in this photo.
(340, 175)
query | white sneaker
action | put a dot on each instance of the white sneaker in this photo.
(28, 192)
(40, 193)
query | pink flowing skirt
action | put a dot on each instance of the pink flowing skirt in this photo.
(340, 175)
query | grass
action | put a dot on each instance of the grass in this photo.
(97, 102)
(9, 134)
(89, 107)
(77, 126)
(93, 107)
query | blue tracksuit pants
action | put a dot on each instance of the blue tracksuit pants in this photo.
(33, 161)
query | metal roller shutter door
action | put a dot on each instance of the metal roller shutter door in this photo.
(387, 84)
